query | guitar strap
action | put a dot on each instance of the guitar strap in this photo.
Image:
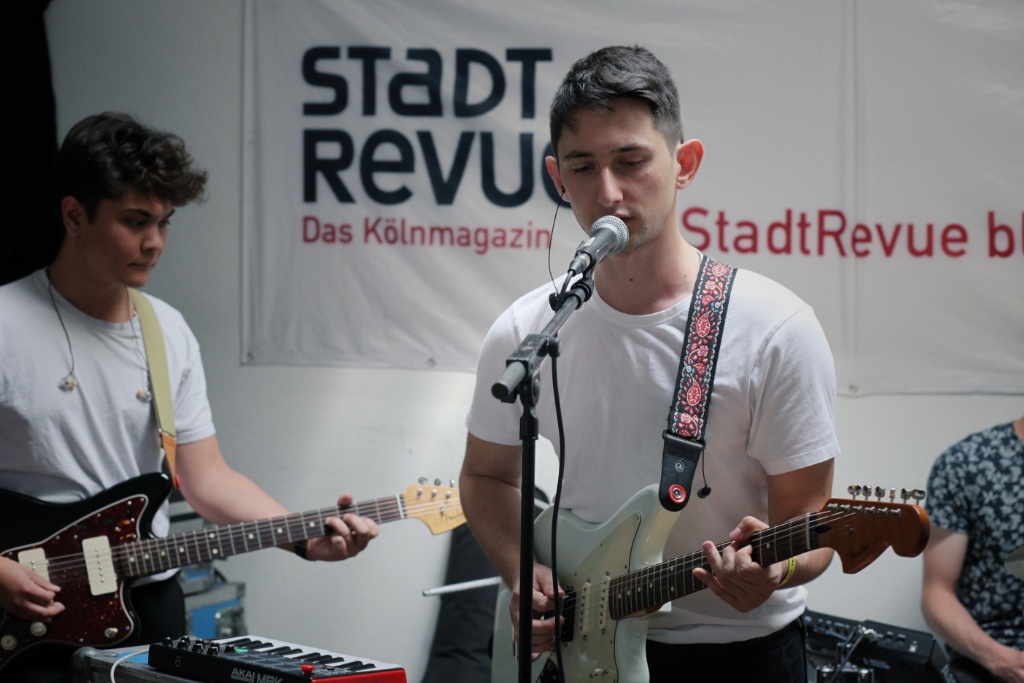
(687, 419)
(159, 377)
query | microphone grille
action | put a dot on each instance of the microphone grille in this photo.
(617, 226)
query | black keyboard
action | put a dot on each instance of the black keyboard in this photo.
(261, 660)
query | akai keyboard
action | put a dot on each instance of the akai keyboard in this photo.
(255, 659)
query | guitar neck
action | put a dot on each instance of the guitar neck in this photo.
(644, 589)
(152, 556)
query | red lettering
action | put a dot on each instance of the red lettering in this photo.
(310, 229)
(996, 230)
(803, 224)
(861, 235)
(691, 227)
(786, 228)
(722, 224)
(954, 234)
(888, 247)
(747, 243)
(835, 234)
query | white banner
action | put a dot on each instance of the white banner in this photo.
(868, 155)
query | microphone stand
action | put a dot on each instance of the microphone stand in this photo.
(522, 379)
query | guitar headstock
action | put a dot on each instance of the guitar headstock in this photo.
(860, 529)
(438, 507)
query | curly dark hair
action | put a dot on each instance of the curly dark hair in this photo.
(613, 72)
(107, 155)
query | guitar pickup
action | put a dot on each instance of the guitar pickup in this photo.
(99, 565)
(35, 559)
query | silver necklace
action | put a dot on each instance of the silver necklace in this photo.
(144, 394)
(69, 381)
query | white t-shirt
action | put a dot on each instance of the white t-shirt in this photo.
(772, 411)
(62, 446)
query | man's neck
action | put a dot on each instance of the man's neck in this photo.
(649, 279)
(109, 301)
(1018, 426)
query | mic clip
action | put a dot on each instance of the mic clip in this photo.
(581, 290)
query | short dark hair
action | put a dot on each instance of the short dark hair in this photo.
(107, 155)
(613, 72)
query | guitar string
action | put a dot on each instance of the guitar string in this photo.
(626, 584)
(296, 526)
(71, 567)
(657, 573)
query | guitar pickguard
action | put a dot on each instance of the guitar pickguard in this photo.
(101, 620)
(601, 649)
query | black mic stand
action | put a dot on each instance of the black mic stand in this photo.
(522, 378)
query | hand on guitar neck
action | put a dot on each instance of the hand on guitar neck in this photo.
(732, 573)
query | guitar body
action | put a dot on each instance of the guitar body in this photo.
(98, 616)
(600, 648)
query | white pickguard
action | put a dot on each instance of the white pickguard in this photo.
(602, 650)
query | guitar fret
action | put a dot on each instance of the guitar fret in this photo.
(134, 556)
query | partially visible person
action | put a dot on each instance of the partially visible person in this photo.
(969, 597)
(76, 410)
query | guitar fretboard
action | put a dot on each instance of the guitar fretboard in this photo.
(653, 586)
(153, 556)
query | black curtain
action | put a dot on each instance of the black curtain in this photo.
(30, 231)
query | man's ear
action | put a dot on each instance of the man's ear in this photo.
(689, 155)
(73, 214)
(552, 165)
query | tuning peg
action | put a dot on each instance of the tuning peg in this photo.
(879, 492)
(437, 482)
(917, 494)
(852, 490)
(421, 481)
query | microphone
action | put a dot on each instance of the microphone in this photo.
(608, 235)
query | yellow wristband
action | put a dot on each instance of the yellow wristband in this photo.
(789, 574)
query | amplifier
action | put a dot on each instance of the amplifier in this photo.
(894, 654)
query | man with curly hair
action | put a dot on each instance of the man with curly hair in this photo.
(76, 406)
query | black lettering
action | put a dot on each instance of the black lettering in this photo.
(429, 81)
(370, 165)
(312, 165)
(369, 56)
(464, 59)
(488, 171)
(321, 79)
(529, 58)
(445, 189)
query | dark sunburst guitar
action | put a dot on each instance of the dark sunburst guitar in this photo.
(94, 548)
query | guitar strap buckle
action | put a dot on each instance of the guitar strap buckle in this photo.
(678, 465)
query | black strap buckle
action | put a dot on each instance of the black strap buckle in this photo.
(678, 465)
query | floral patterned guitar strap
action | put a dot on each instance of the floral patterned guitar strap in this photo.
(687, 419)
